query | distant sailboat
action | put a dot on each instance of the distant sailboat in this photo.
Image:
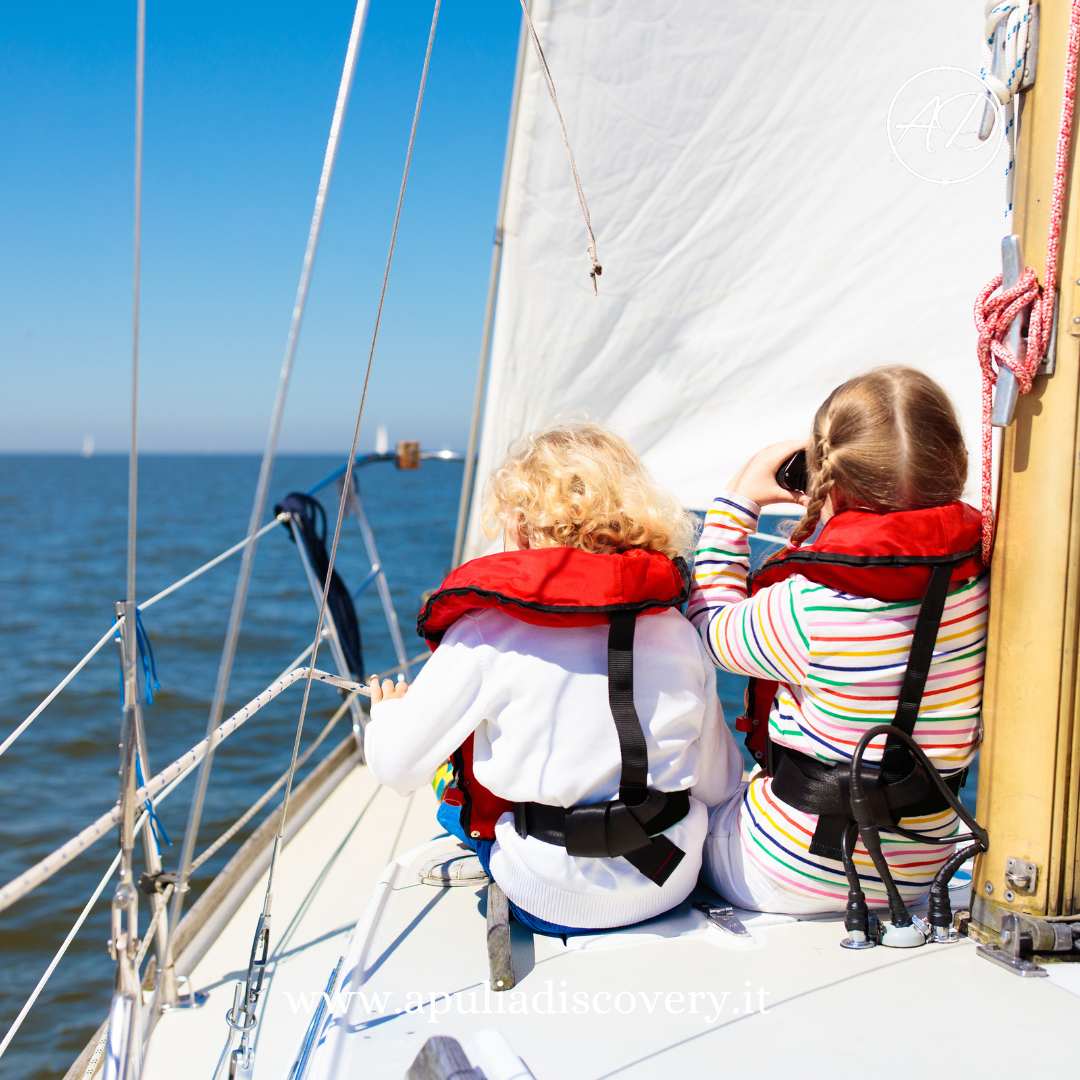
(87, 446)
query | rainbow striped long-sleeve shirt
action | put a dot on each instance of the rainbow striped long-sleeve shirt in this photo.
(839, 661)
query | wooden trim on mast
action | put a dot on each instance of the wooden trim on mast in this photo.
(1029, 775)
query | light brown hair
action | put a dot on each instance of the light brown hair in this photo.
(886, 440)
(582, 486)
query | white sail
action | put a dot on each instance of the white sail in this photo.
(766, 227)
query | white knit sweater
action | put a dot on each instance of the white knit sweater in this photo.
(536, 698)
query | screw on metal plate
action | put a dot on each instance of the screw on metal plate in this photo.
(1021, 876)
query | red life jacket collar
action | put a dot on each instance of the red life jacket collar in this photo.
(886, 556)
(883, 556)
(556, 586)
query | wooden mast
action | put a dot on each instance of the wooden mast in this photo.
(1029, 782)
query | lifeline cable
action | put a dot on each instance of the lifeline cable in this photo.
(995, 307)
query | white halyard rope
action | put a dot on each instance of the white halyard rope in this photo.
(1008, 34)
(594, 259)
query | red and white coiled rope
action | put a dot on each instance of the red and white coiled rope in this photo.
(996, 308)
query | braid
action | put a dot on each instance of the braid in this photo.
(820, 488)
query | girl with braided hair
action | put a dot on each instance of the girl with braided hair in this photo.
(824, 630)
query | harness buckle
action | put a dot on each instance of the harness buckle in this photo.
(608, 830)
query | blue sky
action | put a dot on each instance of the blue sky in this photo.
(238, 102)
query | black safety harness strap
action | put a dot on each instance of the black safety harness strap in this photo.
(896, 761)
(631, 826)
(634, 775)
(896, 788)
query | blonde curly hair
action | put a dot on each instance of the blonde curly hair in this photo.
(581, 486)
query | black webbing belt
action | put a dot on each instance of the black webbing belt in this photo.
(900, 790)
(630, 826)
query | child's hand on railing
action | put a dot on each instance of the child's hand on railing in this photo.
(387, 690)
(757, 478)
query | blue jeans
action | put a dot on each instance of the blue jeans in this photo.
(535, 924)
(449, 817)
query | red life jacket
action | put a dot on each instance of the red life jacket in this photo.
(546, 587)
(885, 556)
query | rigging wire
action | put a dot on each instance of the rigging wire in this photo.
(594, 258)
(124, 910)
(136, 296)
(270, 792)
(258, 508)
(108, 635)
(468, 483)
(80, 919)
(346, 483)
(42, 870)
(242, 1017)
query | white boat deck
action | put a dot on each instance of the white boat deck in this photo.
(678, 997)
